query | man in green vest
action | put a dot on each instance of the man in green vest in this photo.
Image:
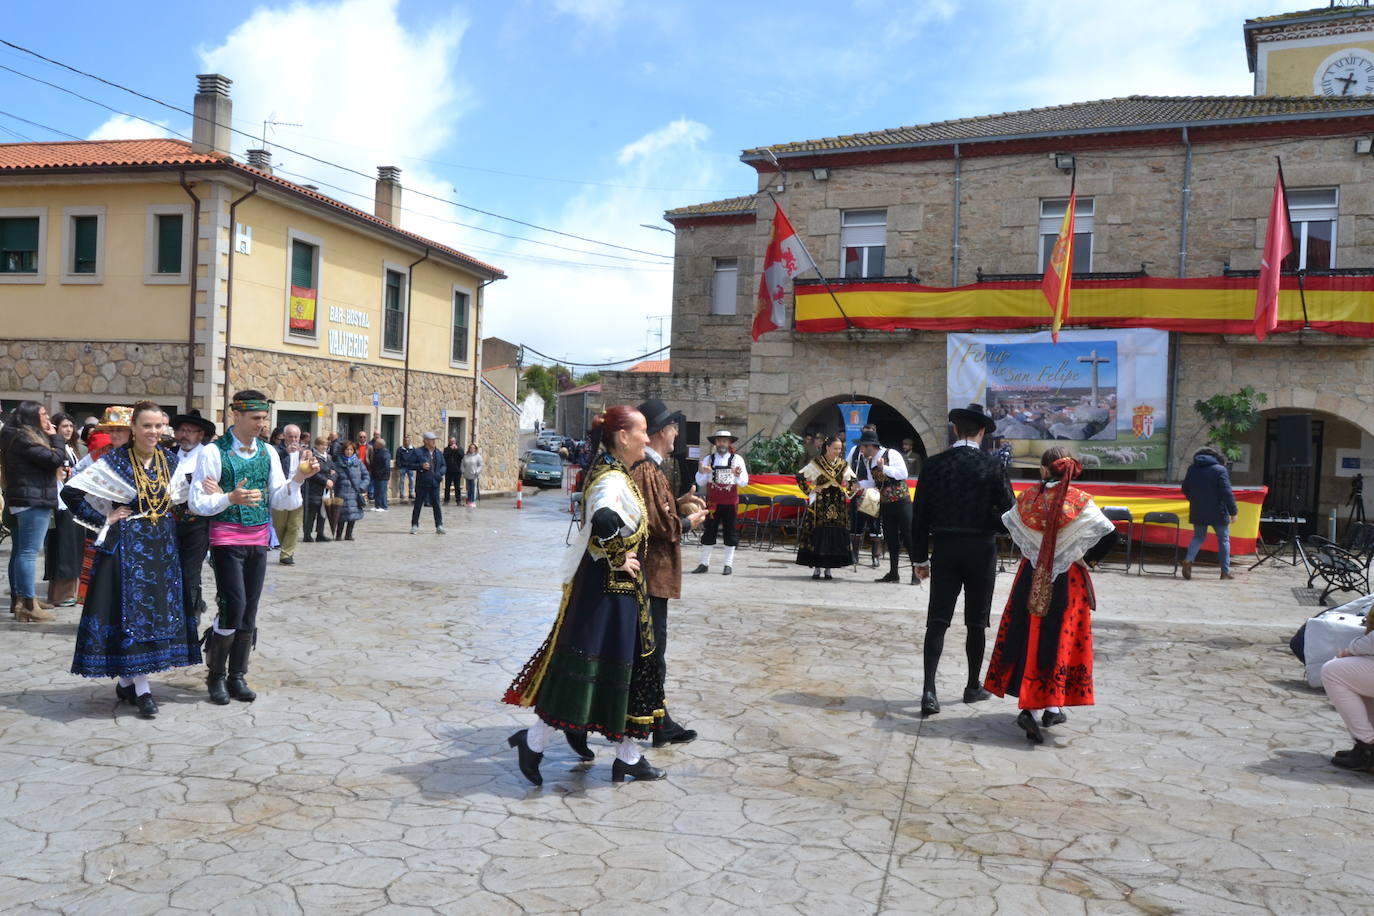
(238, 481)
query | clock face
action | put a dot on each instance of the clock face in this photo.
(1349, 72)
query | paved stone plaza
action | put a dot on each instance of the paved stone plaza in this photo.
(372, 774)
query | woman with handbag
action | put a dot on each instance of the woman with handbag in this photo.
(1044, 650)
(316, 492)
(823, 536)
(350, 484)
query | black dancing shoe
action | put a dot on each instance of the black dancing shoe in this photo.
(930, 704)
(815, 573)
(828, 576)
(701, 568)
(890, 577)
(147, 706)
(1053, 718)
(1359, 757)
(672, 733)
(125, 694)
(1026, 722)
(529, 760)
(976, 694)
(643, 770)
(578, 742)
(727, 570)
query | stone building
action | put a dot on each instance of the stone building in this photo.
(169, 270)
(944, 228)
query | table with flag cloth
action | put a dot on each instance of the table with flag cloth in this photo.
(1138, 497)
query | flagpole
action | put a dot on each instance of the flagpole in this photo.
(849, 325)
(1288, 215)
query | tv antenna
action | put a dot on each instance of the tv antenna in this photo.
(270, 121)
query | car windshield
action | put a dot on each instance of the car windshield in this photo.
(545, 461)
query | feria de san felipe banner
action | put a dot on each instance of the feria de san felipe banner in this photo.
(1103, 394)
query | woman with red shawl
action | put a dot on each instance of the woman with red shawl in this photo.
(1044, 650)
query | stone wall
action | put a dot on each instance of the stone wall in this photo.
(702, 343)
(499, 442)
(712, 400)
(118, 371)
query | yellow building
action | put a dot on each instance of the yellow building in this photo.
(1327, 51)
(166, 269)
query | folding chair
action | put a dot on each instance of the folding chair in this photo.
(752, 517)
(780, 520)
(575, 511)
(1159, 518)
(1116, 515)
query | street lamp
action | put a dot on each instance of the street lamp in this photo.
(659, 228)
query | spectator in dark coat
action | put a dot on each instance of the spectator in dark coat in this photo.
(31, 452)
(379, 470)
(350, 485)
(314, 491)
(1211, 503)
(453, 470)
(428, 464)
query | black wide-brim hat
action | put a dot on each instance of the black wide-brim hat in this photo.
(974, 413)
(195, 419)
(657, 415)
(869, 437)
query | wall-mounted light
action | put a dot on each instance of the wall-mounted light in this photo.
(1364, 146)
(1063, 161)
(821, 173)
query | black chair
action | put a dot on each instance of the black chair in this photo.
(1116, 515)
(752, 517)
(1159, 518)
(780, 520)
(1340, 569)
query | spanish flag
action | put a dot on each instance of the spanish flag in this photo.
(1059, 271)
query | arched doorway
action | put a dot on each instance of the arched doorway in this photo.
(824, 417)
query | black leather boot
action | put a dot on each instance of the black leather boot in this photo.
(238, 667)
(216, 662)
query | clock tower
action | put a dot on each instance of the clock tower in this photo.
(1328, 51)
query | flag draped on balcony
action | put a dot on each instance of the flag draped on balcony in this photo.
(785, 258)
(1058, 281)
(1278, 242)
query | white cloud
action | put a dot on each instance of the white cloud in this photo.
(123, 127)
(592, 12)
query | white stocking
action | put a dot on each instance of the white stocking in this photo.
(219, 632)
(1051, 709)
(706, 554)
(537, 738)
(729, 556)
(126, 682)
(628, 751)
(141, 685)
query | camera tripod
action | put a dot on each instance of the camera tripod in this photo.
(1356, 503)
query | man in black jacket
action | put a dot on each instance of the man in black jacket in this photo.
(960, 499)
(428, 464)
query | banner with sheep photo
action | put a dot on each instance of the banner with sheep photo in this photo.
(1102, 394)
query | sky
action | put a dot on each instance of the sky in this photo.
(588, 117)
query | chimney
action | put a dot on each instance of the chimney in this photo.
(388, 204)
(213, 113)
(261, 160)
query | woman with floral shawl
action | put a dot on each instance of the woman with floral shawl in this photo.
(823, 538)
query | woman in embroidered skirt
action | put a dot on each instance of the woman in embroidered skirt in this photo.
(132, 623)
(594, 672)
(823, 538)
(1044, 650)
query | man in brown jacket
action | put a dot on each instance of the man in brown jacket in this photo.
(667, 520)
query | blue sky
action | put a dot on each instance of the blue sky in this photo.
(593, 116)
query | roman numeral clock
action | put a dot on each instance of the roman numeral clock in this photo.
(1349, 71)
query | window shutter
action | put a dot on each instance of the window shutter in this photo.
(19, 234)
(83, 247)
(169, 243)
(302, 265)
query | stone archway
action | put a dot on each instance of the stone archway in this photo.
(929, 424)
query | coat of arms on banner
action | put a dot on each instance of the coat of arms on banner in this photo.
(1143, 421)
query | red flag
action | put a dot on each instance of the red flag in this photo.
(1058, 279)
(1278, 242)
(785, 258)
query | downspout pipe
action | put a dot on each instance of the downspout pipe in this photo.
(229, 302)
(191, 317)
(958, 181)
(1187, 200)
(405, 371)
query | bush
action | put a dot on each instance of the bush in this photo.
(779, 455)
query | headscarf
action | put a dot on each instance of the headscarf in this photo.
(1042, 585)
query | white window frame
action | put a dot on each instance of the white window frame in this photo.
(40, 274)
(1302, 214)
(295, 235)
(69, 246)
(472, 313)
(1084, 213)
(150, 275)
(721, 303)
(848, 240)
(405, 311)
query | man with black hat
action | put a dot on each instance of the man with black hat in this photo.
(667, 521)
(959, 504)
(886, 472)
(191, 432)
(721, 475)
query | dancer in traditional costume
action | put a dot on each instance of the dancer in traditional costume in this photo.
(720, 476)
(1044, 650)
(595, 671)
(823, 537)
(245, 481)
(133, 621)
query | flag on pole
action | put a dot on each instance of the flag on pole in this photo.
(1059, 271)
(785, 258)
(1278, 242)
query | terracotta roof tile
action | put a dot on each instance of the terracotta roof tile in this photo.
(717, 207)
(1131, 112)
(114, 154)
(650, 365)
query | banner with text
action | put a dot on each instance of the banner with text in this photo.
(854, 416)
(1102, 394)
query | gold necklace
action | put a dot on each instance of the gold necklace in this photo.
(154, 500)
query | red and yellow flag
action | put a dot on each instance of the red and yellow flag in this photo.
(1059, 271)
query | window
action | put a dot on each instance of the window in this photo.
(724, 286)
(167, 245)
(394, 312)
(459, 350)
(83, 245)
(1313, 211)
(863, 243)
(19, 244)
(303, 292)
(1052, 218)
(169, 230)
